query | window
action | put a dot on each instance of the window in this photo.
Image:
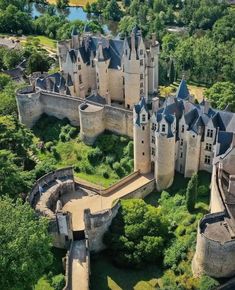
(141, 62)
(141, 91)
(153, 151)
(142, 141)
(207, 160)
(208, 146)
(181, 142)
(128, 106)
(141, 76)
(154, 127)
(144, 118)
(80, 79)
(79, 67)
(141, 85)
(163, 128)
(143, 153)
(153, 139)
(182, 128)
(141, 52)
(209, 133)
(181, 154)
(152, 59)
(143, 128)
(92, 63)
(78, 59)
(126, 51)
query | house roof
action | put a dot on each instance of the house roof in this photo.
(182, 91)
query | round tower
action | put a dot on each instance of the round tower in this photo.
(141, 133)
(91, 122)
(165, 152)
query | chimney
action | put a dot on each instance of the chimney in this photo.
(206, 106)
(133, 51)
(154, 39)
(155, 104)
(100, 55)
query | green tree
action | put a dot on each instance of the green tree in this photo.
(112, 11)
(191, 192)
(222, 94)
(11, 58)
(207, 283)
(4, 80)
(25, 245)
(38, 61)
(224, 28)
(137, 234)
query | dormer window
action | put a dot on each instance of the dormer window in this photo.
(181, 142)
(141, 62)
(144, 118)
(141, 52)
(154, 127)
(182, 129)
(163, 128)
(209, 133)
(141, 85)
(79, 67)
(78, 59)
(126, 51)
(141, 76)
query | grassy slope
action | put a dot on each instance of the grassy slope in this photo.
(107, 276)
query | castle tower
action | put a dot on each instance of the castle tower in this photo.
(134, 67)
(153, 65)
(164, 168)
(102, 79)
(141, 133)
(75, 39)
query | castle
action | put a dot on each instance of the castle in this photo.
(110, 84)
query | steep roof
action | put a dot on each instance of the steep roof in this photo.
(182, 91)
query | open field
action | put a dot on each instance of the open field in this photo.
(80, 3)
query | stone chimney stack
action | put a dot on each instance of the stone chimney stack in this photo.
(133, 51)
(100, 55)
(155, 104)
(206, 106)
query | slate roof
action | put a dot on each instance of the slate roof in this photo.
(225, 140)
(138, 108)
(97, 99)
(182, 91)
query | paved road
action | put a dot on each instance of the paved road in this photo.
(79, 266)
(77, 201)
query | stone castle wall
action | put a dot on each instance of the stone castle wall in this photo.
(31, 105)
(212, 257)
(97, 224)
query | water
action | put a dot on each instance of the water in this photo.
(76, 13)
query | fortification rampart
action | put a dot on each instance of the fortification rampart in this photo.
(44, 197)
(97, 224)
(215, 250)
(32, 104)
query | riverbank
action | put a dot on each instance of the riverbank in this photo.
(75, 3)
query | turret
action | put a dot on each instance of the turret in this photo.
(102, 79)
(134, 67)
(153, 65)
(75, 40)
(141, 132)
(165, 150)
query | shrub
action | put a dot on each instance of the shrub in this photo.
(58, 282)
(44, 167)
(106, 142)
(118, 169)
(125, 164)
(207, 283)
(110, 159)
(55, 153)
(95, 156)
(48, 145)
(129, 150)
(62, 137)
(203, 190)
(105, 174)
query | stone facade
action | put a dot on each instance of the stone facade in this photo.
(175, 134)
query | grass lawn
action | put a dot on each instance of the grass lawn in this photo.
(80, 3)
(46, 42)
(107, 276)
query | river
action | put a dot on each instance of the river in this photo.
(77, 13)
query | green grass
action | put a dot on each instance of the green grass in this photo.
(106, 276)
(71, 151)
(46, 42)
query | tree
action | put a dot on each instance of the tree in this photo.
(191, 192)
(137, 234)
(208, 283)
(25, 245)
(224, 28)
(4, 80)
(222, 94)
(38, 61)
(112, 11)
(11, 58)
